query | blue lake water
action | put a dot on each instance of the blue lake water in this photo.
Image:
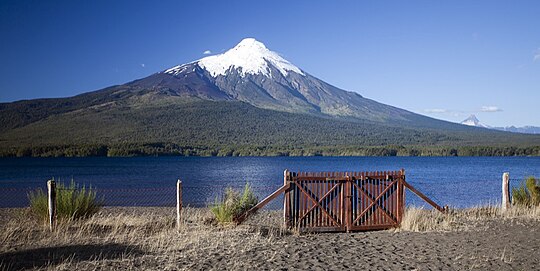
(142, 181)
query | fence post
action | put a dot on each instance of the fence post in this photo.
(51, 195)
(178, 203)
(505, 191)
(286, 199)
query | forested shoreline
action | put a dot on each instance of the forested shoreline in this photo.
(171, 149)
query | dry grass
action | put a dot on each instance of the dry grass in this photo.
(419, 220)
(126, 238)
(147, 238)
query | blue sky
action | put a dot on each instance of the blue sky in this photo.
(445, 60)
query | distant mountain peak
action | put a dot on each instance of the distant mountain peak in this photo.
(250, 44)
(251, 73)
(473, 121)
(250, 56)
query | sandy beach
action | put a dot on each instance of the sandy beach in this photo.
(147, 239)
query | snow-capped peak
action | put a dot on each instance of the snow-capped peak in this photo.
(249, 56)
(473, 121)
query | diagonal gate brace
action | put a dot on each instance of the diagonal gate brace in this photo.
(261, 204)
(424, 197)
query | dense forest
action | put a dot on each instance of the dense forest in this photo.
(162, 149)
(205, 128)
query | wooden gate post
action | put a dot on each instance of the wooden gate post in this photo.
(399, 214)
(286, 199)
(505, 191)
(348, 202)
(51, 195)
(178, 203)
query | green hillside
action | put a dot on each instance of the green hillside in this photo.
(146, 125)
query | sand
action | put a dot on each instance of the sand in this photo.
(147, 239)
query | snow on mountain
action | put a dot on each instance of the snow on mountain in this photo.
(251, 73)
(522, 130)
(249, 56)
(473, 121)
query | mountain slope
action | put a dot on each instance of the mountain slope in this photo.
(251, 73)
(200, 127)
(248, 98)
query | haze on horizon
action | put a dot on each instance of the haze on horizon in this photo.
(445, 60)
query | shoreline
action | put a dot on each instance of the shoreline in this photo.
(270, 156)
(171, 149)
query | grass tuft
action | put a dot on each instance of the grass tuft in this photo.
(72, 202)
(527, 194)
(233, 204)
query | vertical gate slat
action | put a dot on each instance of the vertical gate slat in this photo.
(392, 197)
(322, 215)
(375, 193)
(381, 202)
(383, 186)
(297, 201)
(323, 202)
(308, 201)
(369, 219)
(341, 204)
(354, 202)
(313, 186)
(331, 201)
(383, 199)
(314, 214)
(327, 220)
(375, 186)
(309, 186)
(387, 196)
(319, 212)
(361, 200)
(372, 190)
(403, 199)
(302, 199)
(323, 184)
(398, 200)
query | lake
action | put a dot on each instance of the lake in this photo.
(149, 181)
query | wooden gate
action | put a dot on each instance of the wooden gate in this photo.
(344, 201)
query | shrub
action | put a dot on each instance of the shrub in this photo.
(534, 190)
(233, 204)
(72, 202)
(528, 193)
(520, 196)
